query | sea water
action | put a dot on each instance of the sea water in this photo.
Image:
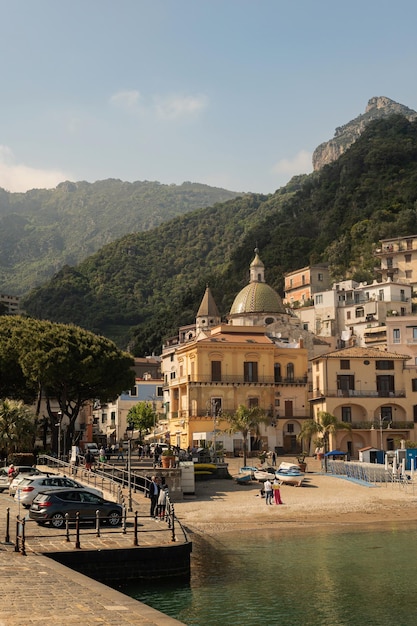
(330, 577)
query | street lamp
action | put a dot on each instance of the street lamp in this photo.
(215, 411)
(59, 414)
(129, 434)
(381, 421)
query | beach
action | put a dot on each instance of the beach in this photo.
(222, 505)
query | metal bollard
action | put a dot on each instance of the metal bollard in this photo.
(67, 526)
(77, 531)
(97, 523)
(7, 537)
(135, 530)
(124, 519)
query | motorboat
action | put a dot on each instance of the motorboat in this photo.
(290, 474)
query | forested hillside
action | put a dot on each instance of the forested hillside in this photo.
(140, 288)
(44, 229)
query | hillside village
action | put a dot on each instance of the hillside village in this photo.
(348, 349)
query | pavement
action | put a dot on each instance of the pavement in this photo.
(38, 590)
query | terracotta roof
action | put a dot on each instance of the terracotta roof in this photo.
(362, 353)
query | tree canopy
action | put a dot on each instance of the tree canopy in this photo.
(66, 365)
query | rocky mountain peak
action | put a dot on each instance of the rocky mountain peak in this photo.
(346, 135)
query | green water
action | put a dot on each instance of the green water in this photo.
(326, 577)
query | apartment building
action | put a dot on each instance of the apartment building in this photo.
(301, 285)
(372, 391)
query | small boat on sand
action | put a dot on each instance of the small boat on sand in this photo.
(264, 474)
(290, 474)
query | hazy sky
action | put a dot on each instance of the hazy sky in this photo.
(232, 93)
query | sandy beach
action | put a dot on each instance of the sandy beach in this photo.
(322, 501)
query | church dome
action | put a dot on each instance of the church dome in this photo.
(257, 298)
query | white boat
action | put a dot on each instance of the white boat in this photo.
(263, 475)
(290, 474)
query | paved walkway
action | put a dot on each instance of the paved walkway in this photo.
(38, 590)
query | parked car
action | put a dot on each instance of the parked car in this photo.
(32, 485)
(52, 506)
(91, 447)
(21, 472)
(4, 479)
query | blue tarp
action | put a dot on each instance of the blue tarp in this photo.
(335, 453)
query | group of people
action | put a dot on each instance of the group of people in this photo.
(272, 490)
(158, 496)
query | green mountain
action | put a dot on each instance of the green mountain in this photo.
(43, 230)
(140, 288)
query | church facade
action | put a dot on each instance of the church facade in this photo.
(214, 366)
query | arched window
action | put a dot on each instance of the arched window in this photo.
(290, 371)
(277, 372)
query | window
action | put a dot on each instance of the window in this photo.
(290, 428)
(303, 279)
(396, 336)
(277, 373)
(216, 371)
(159, 392)
(345, 383)
(320, 277)
(415, 334)
(407, 258)
(253, 403)
(384, 365)
(172, 375)
(347, 414)
(408, 273)
(103, 418)
(133, 391)
(414, 384)
(305, 326)
(415, 414)
(113, 416)
(250, 372)
(385, 385)
(359, 311)
(409, 244)
(348, 315)
(345, 364)
(290, 371)
(319, 298)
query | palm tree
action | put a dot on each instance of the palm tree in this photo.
(246, 421)
(17, 426)
(325, 425)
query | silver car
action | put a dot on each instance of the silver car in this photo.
(32, 485)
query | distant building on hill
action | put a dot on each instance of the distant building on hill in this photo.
(10, 304)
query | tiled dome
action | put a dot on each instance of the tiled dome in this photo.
(257, 298)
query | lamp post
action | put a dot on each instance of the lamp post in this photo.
(59, 414)
(381, 421)
(129, 434)
(214, 412)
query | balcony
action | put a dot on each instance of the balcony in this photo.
(240, 380)
(356, 393)
(374, 425)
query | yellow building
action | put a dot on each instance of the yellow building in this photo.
(214, 367)
(369, 389)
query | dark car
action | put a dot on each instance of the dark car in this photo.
(51, 506)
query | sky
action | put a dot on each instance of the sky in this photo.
(230, 93)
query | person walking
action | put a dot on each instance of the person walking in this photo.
(162, 502)
(89, 460)
(102, 455)
(268, 491)
(154, 489)
(276, 488)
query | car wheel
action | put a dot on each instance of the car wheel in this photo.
(114, 518)
(57, 520)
